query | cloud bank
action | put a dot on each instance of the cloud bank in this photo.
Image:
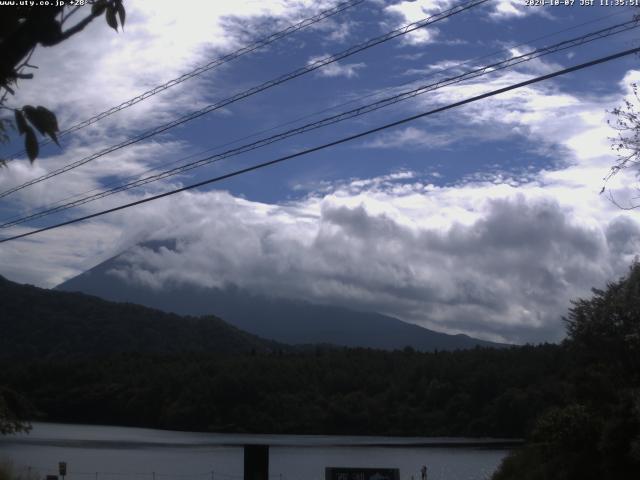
(498, 254)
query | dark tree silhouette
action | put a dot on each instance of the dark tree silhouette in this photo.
(595, 434)
(22, 29)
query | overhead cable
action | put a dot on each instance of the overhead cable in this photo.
(385, 102)
(376, 93)
(252, 91)
(205, 68)
(331, 144)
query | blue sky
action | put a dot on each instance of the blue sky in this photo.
(485, 219)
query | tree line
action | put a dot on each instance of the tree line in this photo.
(577, 403)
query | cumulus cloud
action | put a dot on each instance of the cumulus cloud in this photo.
(80, 78)
(492, 260)
(485, 256)
(410, 137)
(337, 69)
(410, 11)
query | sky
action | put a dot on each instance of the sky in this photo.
(485, 219)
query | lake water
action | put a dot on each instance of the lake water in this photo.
(120, 453)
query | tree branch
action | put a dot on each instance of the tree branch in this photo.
(78, 27)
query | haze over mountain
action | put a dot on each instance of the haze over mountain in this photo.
(283, 320)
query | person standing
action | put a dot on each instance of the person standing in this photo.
(423, 472)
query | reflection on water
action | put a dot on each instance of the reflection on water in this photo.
(120, 453)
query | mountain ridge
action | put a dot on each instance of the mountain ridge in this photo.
(42, 323)
(281, 320)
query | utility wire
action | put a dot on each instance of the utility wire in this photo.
(264, 86)
(205, 68)
(581, 40)
(333, 107)
(334, 143)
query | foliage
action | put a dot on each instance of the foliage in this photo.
(45, 324)
(605, 329)
(627, 142)
(597, 436)
(578, 403)
(69, 352)
(22, 29)
(39, 323)
(479, 392)
(14, 412)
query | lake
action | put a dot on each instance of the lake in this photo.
(121, 453)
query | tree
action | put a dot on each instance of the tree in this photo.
(627, 142)
(15, 411)
(22, 29)
(606, 328)
(596, 434)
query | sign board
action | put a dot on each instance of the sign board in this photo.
(345, 473)
(62, 468)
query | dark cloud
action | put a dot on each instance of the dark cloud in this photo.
(508, 274)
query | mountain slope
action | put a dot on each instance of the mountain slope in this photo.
(278, 319)
(42, 323)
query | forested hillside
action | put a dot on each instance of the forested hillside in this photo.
(40, 323)
(577, 403)
(482, 392)
(81, 359)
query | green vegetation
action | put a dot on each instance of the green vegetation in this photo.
(578, 404)
(45, 324)
(594, 433)
(82, 359)
(14, 412)
(23, 28)
(481, 392)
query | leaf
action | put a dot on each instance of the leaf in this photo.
(21, 123)
(121, 12)
(43, 119)
(34, 117)
(50, 122)
(111, 17)
(98, 7)
(31, 144)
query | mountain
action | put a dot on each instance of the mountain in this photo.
(282, 320)
(40, 323)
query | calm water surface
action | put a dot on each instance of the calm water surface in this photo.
(120, 453)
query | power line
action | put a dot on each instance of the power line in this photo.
(510, 62)
(333, 143)
(252, 91)
(205, 68)
(59, 203)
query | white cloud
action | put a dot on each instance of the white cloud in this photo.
(410, 11)
(492, 260)
(160, 41)
(410, 137)
(488, 256)
(337, 69)
(511, 8)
